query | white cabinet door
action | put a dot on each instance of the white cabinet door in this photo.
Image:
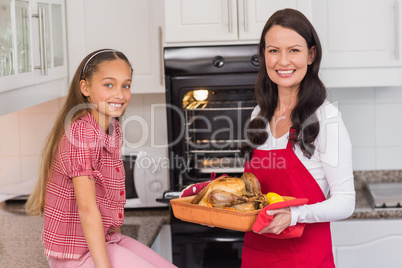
(253, 14)
(358, 33)
(361, 41)
(163, 243)
(229, 21)
(133, 27)
(195, 20)
(51, 52)
(16, 45)
(33, 55)
(367, 243)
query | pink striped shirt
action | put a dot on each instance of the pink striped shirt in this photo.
(84, 150)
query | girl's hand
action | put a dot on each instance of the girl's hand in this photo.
(282, 220)
(114, 230)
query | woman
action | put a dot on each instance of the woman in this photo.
(299, 147)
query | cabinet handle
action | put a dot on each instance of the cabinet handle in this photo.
(245, 15)
(42, 41)
(230, 16)
(160, 34)
(396, 21)
(40, 22)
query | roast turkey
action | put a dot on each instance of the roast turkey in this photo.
(242, 194)
(222, 199)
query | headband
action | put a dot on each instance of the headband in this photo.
(94, 55)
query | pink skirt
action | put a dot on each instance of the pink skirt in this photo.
(122, 251)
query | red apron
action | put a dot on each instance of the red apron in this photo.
(281, 171)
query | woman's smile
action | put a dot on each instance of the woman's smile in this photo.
(285, 72)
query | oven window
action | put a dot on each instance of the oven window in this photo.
(129, 165)
(214, 129)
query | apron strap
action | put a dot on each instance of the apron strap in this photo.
(292, 138)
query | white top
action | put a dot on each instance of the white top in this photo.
(330, 166)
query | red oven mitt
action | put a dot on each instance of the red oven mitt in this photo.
(193, 189)
(263, 220)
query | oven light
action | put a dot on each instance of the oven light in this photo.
(200, 94)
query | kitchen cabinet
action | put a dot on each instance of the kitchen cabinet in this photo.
(33, 55)
(133, 27)
(367, 243)
(163, 243)
(222, 20)
(361, 41)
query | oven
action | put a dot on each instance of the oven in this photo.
(209, 100)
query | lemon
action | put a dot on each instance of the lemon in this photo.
(274, 198)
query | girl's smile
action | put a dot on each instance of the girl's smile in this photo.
(116, 105)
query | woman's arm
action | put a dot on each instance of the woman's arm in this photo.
(335, 152)
(91, 220)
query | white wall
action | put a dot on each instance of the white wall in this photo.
(22, 137)
(145, 121)
(371, 115)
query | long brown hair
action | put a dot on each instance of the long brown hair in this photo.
(36, 202)
(311, 95)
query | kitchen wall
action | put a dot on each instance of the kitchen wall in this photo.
(372, 117)
(22, 136)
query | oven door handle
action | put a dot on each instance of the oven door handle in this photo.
(203, 237)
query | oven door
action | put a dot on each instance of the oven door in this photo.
(205, 136)
(196, 246)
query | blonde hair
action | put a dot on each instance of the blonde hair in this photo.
(36, 202)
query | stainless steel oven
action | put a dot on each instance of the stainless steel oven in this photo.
(209, 97)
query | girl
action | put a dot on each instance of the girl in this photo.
(294, 123)
(81, 189)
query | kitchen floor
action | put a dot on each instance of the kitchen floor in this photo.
(20, 244)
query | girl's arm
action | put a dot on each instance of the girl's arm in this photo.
(91, 220)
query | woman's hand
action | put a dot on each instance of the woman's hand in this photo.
(282, 220)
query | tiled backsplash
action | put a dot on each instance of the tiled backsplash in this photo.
(22, 137)
(371, 115)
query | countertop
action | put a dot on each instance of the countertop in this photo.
(363, 209)
(20, 244)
